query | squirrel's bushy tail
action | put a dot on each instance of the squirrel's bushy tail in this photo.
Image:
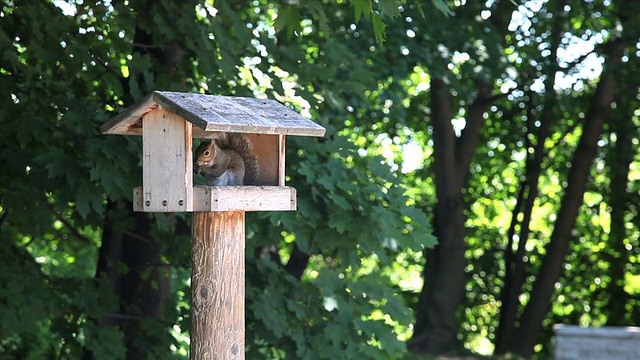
(241, 144)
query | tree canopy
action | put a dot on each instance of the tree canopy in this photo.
(476, 184)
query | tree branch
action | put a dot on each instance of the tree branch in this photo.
(536, 309)
(466, 144)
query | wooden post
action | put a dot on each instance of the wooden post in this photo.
(217, 285)
(281, 152)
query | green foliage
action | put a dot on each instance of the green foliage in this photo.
(69, 72)
(377, 12)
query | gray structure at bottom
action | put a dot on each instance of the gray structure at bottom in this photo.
(591, 343)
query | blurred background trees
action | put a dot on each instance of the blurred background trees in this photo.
(508, 131)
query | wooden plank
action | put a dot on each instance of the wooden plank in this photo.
(266, 149)
(129, 121)
(218, 285)
(217, 113)
(237, 114)
(244, 198)
(167, 168)
(137, 199)
(188, 162)
(281, 153)
(233, 198)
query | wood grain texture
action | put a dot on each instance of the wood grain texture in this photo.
(217, 286)
(281, 159)
(188, 158)
(266, 148)
(138, 199)
(244, 198)
(233, 198)
(167, 167)
(238, 114)
(218, 113)
(129, 121)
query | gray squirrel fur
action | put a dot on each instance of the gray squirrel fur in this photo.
(227, 160)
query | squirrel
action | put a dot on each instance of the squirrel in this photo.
(229, 159)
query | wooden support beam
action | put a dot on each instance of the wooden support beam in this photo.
(281, 152)
(167, 175)
(244, 198)
(217, 285)
(234, 198)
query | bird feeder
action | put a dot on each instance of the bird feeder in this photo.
(168, 122)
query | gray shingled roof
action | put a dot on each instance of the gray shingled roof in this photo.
(217, 113)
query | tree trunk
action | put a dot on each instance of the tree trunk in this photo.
(436, 329)
(530, 329)
(143, 289)
(146, 285)
(620, 157)
(515, 273)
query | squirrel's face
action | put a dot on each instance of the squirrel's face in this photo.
(205, 155)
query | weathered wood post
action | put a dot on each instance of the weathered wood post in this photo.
(217, 285)
(168, 121)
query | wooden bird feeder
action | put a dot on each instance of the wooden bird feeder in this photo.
(168, 122)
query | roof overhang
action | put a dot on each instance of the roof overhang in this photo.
(213, 113)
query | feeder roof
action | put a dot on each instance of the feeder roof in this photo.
(217, 114)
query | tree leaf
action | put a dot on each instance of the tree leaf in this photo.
(379, 28)
(360, 8)
(442, 6)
